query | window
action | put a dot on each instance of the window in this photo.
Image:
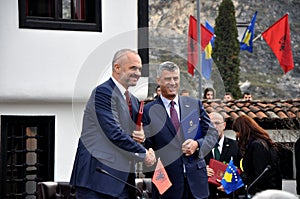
(27, 154)
(83, 15)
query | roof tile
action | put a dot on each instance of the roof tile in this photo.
(276, 114)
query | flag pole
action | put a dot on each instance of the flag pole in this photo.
(199, 49)
(258, 36)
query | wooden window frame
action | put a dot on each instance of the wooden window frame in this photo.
(15, 186)
(33, 22)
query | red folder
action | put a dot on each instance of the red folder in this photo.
(219, 169)
(140, 116)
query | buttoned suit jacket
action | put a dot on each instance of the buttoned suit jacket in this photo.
(229, 150)
(106, 142)
(162, 137)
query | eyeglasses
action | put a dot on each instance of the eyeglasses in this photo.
(217, 123)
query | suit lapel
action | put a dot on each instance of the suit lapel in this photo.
(182, 108)
(225, 148)
(119, 97)
(122, 110)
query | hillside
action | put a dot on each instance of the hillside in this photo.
(260, 73)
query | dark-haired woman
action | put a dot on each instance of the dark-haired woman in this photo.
(209, 94)
(258, 152)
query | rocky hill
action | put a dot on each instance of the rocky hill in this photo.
(260, 73)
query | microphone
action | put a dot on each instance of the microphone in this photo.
(115, 177)
(268, 167)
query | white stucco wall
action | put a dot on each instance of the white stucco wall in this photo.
(45, 64)
(44, 72)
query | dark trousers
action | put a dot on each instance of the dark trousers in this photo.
(187, 194)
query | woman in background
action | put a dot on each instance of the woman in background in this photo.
(209, 94)
(259, 154)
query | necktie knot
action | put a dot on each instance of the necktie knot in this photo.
(172, 103)
(127, 95)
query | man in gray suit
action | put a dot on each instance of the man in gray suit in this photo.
(180, 132)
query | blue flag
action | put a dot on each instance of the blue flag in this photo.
(206, 55)
(211, 29)
(231, 180)
(247, 40)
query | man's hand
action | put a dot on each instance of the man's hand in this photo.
(189, 147)
(220, 188)
(210, 171)
(139, 136)
(150, 157)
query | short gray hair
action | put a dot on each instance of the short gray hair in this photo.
(216, 114)
(121, 53)
(169, 66)
(274, 194)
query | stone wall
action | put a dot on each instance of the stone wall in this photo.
(260, 74)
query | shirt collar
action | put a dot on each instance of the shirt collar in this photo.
(166, 101)
(120, 86)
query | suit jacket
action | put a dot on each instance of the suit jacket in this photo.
(229, 149)
(106, 141)
(161, 136)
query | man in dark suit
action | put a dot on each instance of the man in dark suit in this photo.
(108, 138)
(180, 132)
(227, 149)
(297, 158)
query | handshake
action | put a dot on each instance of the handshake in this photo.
(139, 137)
(150, 158)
